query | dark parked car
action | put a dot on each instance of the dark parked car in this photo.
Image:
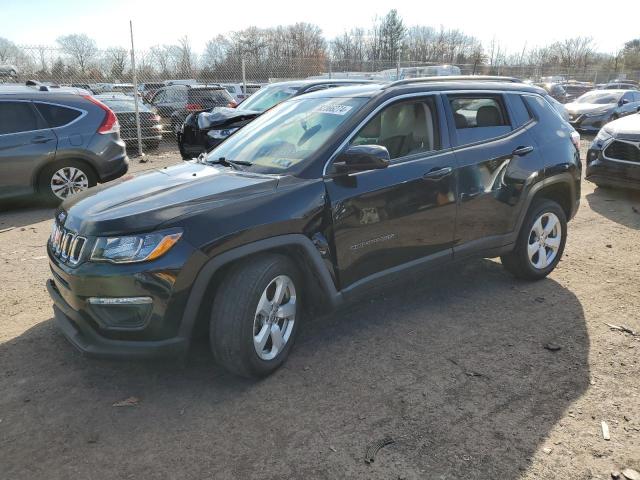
(125, 109)
(575, 90)
(310, 205)
(175, 102)
(596, 108)
(202, 131)
(148, 90)
(56, 143)
(613, 160)
(556, 91)
(621, 85)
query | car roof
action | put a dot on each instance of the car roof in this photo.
(35, 92)
(428, 85)
(314, 82)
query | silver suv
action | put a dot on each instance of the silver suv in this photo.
(56, 142)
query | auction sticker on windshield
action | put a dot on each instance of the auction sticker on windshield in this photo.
(334, 109)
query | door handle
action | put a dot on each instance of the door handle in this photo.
(438, 173)
(41, 139)
(522, 151)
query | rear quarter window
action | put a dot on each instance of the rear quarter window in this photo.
(56, 115)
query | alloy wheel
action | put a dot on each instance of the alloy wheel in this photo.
(67, 181)
(274, 318)
(544, 240)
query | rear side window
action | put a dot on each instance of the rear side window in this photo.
(479, 118)
(218, 97)
(17, 117)
(57, 116)
(521, 114)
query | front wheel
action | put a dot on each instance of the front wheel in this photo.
(255, 315)
(540, 243)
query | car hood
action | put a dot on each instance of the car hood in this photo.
(626, 127)
(222, 117)
(580, 108)
(142, 203)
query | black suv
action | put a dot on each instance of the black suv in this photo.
(313, 202)
(56, 142)
(177, 101)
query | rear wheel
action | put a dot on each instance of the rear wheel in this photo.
(255, 315)
(63, 179)
(540, 243)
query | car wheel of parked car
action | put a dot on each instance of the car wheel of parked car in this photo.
(540, 243)
(60, 180)
(255, 315)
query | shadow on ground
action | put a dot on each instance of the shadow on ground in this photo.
(453, 368)
(618, 205)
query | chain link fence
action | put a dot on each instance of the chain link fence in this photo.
(109, 71)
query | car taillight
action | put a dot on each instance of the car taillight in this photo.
(194, 107)
(575, 139)
(110, 123)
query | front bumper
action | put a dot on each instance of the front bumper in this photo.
(607, 172)
(584, 123)
(84, 337)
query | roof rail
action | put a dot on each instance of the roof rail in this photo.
(455, 78)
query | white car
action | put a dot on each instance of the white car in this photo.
(237, 90)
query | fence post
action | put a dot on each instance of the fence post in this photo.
(135, 94)
(244, 79)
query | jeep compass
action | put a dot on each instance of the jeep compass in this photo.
(311, 204)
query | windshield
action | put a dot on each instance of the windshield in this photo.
(601, 98)
(288, 134)
(267, 97)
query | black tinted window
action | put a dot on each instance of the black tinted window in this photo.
(217, 97)
(17, 117)
(521, 114)
(479, 118)
(57, 116)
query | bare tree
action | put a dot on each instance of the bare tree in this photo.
(117, 61)
(80, 48)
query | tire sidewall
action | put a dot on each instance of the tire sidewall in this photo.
(546, 206)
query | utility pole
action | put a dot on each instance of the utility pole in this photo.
(135, 94)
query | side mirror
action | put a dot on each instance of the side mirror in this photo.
(623, 101)
(361, 158)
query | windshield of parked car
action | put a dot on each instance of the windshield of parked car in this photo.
(601, 98)
(285, 136)
(268, 96)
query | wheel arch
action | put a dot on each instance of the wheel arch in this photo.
(295, 246)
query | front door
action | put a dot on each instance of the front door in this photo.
(405, 213)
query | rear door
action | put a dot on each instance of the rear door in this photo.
(496, 154)
(26, 144)
(405, 213)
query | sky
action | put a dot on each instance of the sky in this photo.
(514, 23)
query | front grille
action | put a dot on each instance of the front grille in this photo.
(66, 245)
(622, 150)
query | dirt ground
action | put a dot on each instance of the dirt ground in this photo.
(453, 368)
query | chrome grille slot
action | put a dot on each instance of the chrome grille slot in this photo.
(67, 245)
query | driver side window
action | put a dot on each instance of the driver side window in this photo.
(404, 128)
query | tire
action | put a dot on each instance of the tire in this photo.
(82, 174)
(236, 327)
(535, 267)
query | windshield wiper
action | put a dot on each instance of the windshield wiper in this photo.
(235, 164)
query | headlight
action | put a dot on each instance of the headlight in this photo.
(221, 134)
(135, 248)
(603, 136)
